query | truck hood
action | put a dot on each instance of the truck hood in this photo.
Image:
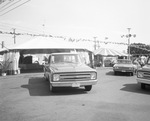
(70, 67)
(124, 65)
(145, 68)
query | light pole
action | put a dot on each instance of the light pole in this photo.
(129, 36)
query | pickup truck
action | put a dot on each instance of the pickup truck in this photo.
(68, 70)
(143, 75)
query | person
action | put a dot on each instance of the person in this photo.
(135, 61)
(113, 62)
(140, 61)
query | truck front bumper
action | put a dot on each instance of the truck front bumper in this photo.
(123, 70)
(141, 80)
(74, 83)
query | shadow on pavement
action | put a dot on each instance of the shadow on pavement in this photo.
(38, 86)
(134, 87)
(111, 73)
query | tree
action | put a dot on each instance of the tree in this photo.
(137, 49)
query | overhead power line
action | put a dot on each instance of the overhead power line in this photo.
(71, 39)
(14, 8)
(7, 26)
(44, 35)
(9, 6)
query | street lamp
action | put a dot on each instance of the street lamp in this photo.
(128, 36)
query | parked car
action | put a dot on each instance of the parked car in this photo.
(143, 75)
(68, 70)
(98, 64)
(107, 62)
(125, 66)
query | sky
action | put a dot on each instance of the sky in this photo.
(79, 19)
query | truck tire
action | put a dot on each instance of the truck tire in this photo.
(51, 88)
(115, 73)
(131, 73)
(88, 88)
(143, 86)
(45, 77)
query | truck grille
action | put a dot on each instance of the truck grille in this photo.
(124, 68)
(146, 74)
(75, 76)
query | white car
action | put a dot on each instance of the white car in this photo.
(125, 66)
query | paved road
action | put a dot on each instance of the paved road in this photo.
(26, 97)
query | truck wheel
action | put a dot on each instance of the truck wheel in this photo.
(51, 88)
(88, 88)
(45, 78)
(143, 86)
(132, 73)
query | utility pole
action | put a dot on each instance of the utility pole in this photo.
(95, 43)
(14, 33)
(2, 44)
(98, 46)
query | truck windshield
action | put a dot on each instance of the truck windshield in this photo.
(65, 58)
(123, 61)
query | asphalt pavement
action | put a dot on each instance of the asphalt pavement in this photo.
(26, 97)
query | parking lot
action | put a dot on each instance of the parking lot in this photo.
(26, 97)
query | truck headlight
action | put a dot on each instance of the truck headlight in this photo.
(93, 76)
(115, 67)
(139, 75)
(131, 68)
(56, 77)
